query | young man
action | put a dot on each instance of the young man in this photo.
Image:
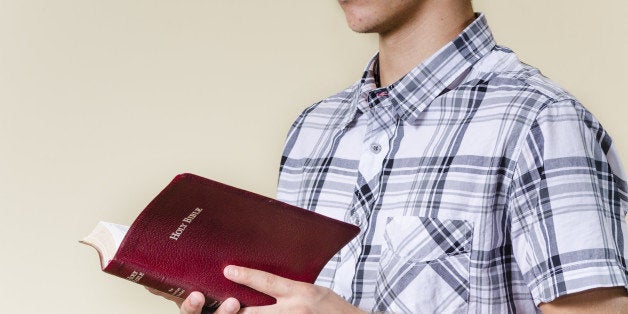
(478, 184)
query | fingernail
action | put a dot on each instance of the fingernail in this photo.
(195, 300)
(230, 306)
(231, 271)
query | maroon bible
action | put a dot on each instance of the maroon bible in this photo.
(184, 238)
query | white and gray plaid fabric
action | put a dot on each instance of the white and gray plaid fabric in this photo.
(479, 186)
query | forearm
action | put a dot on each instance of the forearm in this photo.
(600, 300)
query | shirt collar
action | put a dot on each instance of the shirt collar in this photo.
(440, 73)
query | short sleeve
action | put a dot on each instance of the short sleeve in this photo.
(567, 205)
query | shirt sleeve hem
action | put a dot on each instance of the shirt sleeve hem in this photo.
(583, 280)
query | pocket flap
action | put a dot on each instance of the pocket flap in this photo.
(423, 239)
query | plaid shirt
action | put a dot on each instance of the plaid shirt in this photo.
(478, 184)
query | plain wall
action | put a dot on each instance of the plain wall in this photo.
(103, 102)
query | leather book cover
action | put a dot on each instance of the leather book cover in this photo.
(184, 238)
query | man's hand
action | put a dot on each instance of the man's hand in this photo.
(292, 296)
(193, 304)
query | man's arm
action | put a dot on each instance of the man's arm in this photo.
(600, 300)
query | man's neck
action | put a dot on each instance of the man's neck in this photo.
(434, 25)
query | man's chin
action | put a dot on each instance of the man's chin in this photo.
(362, 29)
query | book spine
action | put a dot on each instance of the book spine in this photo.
(148, 278)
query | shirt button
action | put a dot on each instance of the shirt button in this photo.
(357, 221)
(376, 148)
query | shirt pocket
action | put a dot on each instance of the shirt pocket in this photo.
(424, 267)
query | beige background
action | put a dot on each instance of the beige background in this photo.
(103, 102)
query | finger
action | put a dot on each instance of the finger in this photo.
(228, 306)
(193, 304)
(261, 281)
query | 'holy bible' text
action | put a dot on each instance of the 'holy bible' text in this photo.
(185, 223)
